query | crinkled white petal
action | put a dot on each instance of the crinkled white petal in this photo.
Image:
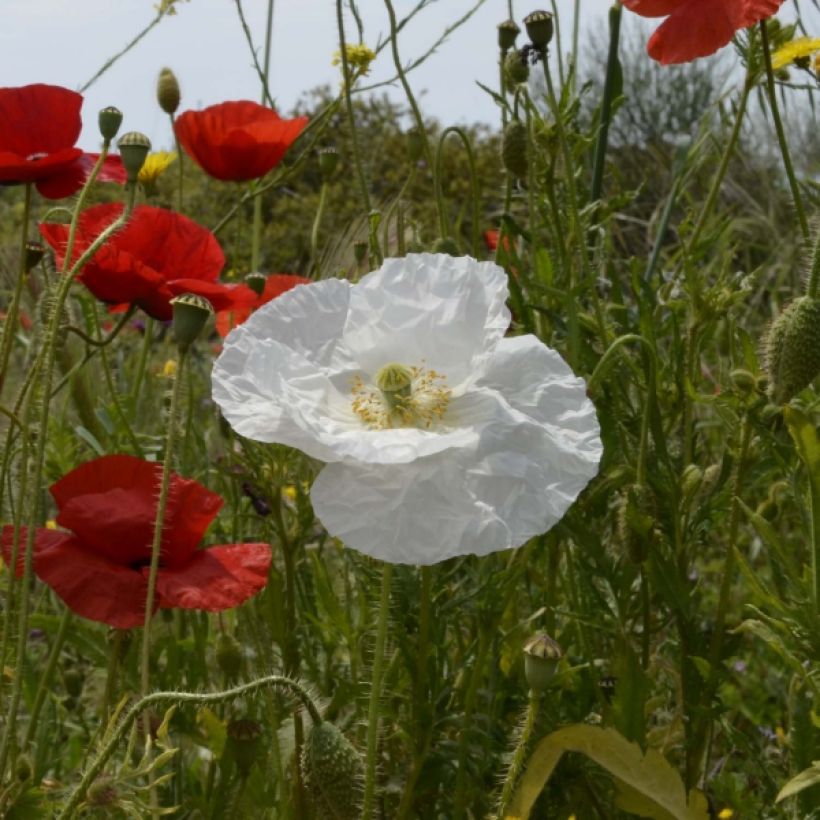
(445, 313)
(520, 477)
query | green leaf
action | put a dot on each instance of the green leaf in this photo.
(804, 433)
(644, 780)
(807, 778)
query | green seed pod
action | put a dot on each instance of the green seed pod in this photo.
(793, 349)
(134, 148)
(514, 148)
(23, 768)
(35, 251)
(256, 282)
(541, 657)
(229, 655)
(743, 381)
(516, 68)
(168, 94)
(446, 244)
(332, 772)
(539, 28)
(191, 313)
(109, 120)
(73, 680)
(508, 31)
(635, 522)
(328, 161)
(244, 741)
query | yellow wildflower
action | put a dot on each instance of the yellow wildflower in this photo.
(797, 49)
(725, 814)
(359, 58)
(51, 524)
(169, 370)
(154, 167)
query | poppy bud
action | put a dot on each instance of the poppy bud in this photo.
(35, 251)
(541, 656)
(244, 741)
(691, 481)
(229, 655)
(259, 503)
(332, 772)
(256, 282)
(22, 768)
(134, 148)
(360, 252)
(168, 91)
(507, 32)
(328, 160)
(415, 145)
(102, 792)
(110, 120)
(514, 148)
(446, 244)
(539, 28)
(793, 349)
(73, 681)
(516, 68)
(743, 381)
(191, 312)
(635, 522)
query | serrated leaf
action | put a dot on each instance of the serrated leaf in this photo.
(807, 778)
(650, 775)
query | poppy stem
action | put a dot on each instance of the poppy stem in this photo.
(375, 696)
(10, 322)
(781, 134)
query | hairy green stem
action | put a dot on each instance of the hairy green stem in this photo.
(314, 233)
(520, 753)
(374, 707)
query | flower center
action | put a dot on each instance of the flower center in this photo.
(402, 397)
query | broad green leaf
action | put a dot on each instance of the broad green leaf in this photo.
(647, 780)
(807, 778)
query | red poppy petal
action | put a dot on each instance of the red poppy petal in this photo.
(278, 283)
(217, 578)
(696, 29)
(92, 586)
(17, 169)
(749, 12)
(39, 119)
(44, 539)
(653, 8)
(69, 181)
(110, 503)
(221, 296)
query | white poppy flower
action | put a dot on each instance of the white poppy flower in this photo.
(441, 437)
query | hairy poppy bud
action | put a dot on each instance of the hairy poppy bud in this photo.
(446, 244)
(22, 768)
(102, 792)
(415, 145)
(244, 741)
(332, 772)
(635, 522)
(507, 32)
(168, 94)
(541, 656)
(73, 680)
(34, 253)
(516, 68)
(134, 148)
(256, 282)
(191, 313)
(328, 161)
(514, 148)
(229, 655)
(110, 120)
(793, 349)
(539, 28)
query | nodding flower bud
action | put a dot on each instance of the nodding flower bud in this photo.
(539, 28)
(109, 120)
(191, 313)
(793, 349)
(415, 145)
(541, 657)
(256, 282)
(514, 148)
(332, 771)
(35, 251)
(516, 67)
(168, 94)
(134, 148)
(244, 741)
(328, 161)
(507, 33)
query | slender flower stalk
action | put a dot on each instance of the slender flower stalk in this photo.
(519, 755)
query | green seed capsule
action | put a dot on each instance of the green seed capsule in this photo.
(793, 349)
(514, 148)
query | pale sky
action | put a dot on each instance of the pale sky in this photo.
(64, 42)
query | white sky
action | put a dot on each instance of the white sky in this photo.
(65, 42)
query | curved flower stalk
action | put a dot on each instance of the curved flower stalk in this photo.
(441, 437)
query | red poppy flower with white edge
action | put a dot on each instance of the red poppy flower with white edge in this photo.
(98, 564)
(275, 285)
(238, 140)
(156, 256)
(697, 28)
(41, 124)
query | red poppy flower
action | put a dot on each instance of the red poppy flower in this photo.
(41, 123)
(275, 285)
(99, 564)
(697, 28)
(156, 256)
(238, 140)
